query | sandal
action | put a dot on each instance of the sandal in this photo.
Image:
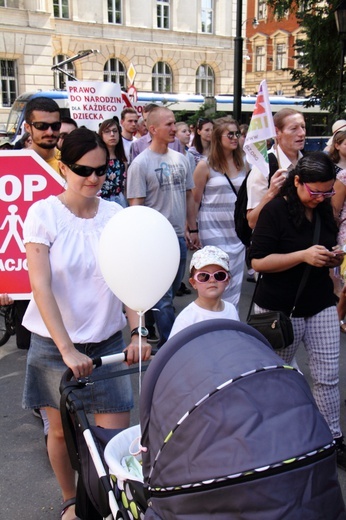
(343, 326)
(68, 503)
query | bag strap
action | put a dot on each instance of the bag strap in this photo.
(315, 240)
(231, 184)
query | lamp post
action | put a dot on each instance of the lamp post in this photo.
(238, 60)
(340, 18)
(78, 56)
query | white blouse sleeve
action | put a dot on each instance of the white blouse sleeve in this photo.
(40, 224)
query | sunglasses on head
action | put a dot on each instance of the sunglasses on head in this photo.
(232, 135)
(203, 277)
(40, 125)
(201, 121)
(86, 171)
(316, 194)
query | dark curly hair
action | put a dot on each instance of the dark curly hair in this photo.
(313, 167)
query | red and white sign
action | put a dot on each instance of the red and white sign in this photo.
(24, 179)
(133, 94)
(91, 102)
(137, 105)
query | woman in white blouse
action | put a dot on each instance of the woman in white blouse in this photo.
(73, 315)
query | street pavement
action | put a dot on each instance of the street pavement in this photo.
(28, 489)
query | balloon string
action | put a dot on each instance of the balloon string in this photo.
(140, 314)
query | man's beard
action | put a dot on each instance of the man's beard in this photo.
(46, 146)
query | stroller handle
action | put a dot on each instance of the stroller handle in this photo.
(97, 362)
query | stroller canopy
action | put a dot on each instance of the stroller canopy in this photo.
(232, 432)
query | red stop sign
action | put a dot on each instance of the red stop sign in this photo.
(24, 179)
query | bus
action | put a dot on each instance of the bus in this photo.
(318, 122)
(188, 102)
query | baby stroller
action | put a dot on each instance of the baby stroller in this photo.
(233, 433)
(98, 495)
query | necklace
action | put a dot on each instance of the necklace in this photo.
(80, 216)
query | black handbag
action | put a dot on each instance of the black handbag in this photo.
(276, 326)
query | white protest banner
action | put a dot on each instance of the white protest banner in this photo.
(260, 129)
(91, 102)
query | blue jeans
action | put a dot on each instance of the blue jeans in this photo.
(164, 316)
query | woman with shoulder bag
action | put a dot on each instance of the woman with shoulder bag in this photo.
(217, 181)
(282, 246)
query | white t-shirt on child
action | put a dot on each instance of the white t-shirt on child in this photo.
(194, 314)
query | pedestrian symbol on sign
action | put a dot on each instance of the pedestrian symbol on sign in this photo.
(12, 220)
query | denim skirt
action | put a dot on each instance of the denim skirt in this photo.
(45, 368)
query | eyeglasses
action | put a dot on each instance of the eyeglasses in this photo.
(86, 171)
(63, 135)
(40, 125)
(203, 277)
(110, 131)
(232, 135)
(316, 194)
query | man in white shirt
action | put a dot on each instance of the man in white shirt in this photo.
(290, 139)
(128, 121)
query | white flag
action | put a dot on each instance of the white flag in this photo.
(261, 128)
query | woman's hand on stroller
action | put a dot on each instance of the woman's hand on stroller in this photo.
(132, 350)
(80, 364)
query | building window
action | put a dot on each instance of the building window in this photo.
(207, 16)
(162, 77)
(9, 3)
(59, 77)
(61, 8)
(259, 59)
(280, 58)
(205, 81)
(162, 11)
(8, 82)
(114, 71)
(261, 9)
(114, 11)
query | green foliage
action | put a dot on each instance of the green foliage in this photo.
(319, 52)
(206, 110)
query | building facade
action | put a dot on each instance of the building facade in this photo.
(173, 45)
(269, 51)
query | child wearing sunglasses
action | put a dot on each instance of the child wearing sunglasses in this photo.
(209, 276)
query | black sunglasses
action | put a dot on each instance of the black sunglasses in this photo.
(40, 125)
(231, 135)
(86, 171)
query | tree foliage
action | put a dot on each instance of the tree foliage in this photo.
(319, 52)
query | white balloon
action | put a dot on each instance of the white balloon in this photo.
(139, 256)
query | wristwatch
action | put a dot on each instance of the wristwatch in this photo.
(140, 331)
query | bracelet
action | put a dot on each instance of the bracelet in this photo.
(193, 230)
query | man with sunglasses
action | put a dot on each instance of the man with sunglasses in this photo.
(42, 121)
